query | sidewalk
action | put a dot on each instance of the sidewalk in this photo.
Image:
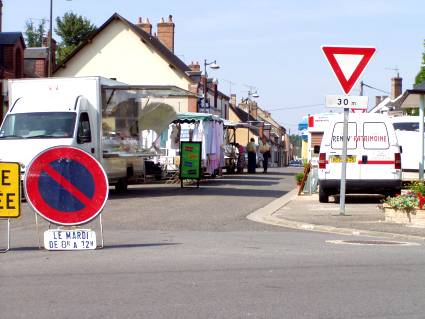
(363, 217)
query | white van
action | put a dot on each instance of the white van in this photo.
(373, 157)
(407, 131)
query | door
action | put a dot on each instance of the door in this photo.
(85, 140)
(377, 159)
(335, 152)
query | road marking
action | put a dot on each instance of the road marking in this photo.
(372, 243)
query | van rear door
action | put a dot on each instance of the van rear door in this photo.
(377, 155)
(335, 152)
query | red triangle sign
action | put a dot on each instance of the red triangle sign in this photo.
(348, 63)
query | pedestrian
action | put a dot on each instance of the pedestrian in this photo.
(252, 156)
(265, 150)
(241, 158)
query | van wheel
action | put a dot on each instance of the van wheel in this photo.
(337, 199)
(121, 186)
(392, 194)
(323, 197)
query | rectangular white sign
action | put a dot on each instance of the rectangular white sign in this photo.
(347, 101)
(73, 239)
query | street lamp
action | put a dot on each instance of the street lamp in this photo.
(251, 94)
(213, 65)
(255, 95)
(49, 40)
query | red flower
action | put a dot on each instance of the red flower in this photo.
(421, 200)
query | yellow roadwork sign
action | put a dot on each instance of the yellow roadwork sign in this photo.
(10, 195)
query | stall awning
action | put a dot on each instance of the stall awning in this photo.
(152, 90)
(190, 117)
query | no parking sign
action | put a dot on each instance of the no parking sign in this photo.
(66, 185)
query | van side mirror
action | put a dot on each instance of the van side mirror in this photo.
(401, 149)
(316, 149)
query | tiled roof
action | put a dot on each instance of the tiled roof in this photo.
(242, 115)
(36, 53)
(10, 37)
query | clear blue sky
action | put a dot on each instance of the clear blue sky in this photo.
(270, 44)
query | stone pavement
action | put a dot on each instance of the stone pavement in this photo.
(363, 217)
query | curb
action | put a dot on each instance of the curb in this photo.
(265, 215)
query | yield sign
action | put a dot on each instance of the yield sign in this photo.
(348, 63)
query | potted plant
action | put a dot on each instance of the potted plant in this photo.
(406, 208)
(299, 177)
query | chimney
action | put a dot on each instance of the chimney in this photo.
(396, 87)
(253, 109)
(54, 48)
(144, 25)
(195, 66)
(233, 99)
(165, 31)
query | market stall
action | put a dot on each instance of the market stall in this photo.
(196, 127)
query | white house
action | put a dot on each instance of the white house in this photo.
(130, 53)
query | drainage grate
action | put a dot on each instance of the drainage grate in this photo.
(372, 242)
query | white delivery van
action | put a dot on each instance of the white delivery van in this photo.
(98, 115)
(407, 131)
(373, 157)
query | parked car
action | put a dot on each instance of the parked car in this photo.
(296, 163)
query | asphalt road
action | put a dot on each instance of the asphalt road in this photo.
(191, 253)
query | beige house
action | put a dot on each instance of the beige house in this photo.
(243, 135)
(130, 53)
(266, 126)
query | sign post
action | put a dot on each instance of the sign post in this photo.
(68, 187)
(348, 64)
(190, 163)
(10, 194)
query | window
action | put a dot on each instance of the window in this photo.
(337, 136)
(84, 132)
(407, 126)
(39, 125)
(375, 136)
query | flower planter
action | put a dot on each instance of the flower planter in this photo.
(415, 217)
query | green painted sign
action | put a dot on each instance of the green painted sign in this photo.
(190, 160)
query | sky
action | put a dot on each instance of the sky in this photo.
(271, 46)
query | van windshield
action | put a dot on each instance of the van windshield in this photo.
(38, 125)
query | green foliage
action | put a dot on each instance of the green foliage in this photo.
(411, 111)
(73, 30)
(420, 77)
(406, 202)
(417, 187)
(34, 34)
(299, 177)
(414, 198)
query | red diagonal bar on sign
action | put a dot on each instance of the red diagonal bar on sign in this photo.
(68, 186)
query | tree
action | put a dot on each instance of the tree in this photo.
(73, 30)
(420, 77)
(34, 34)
